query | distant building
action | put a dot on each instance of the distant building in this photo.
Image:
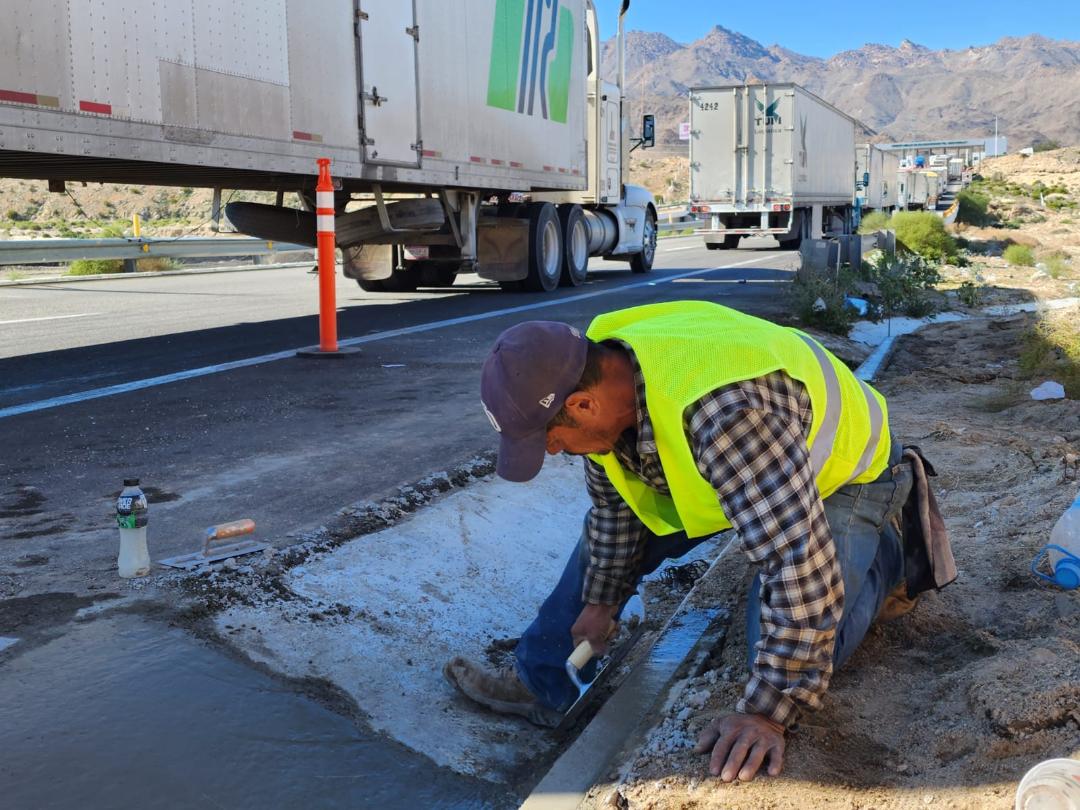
(971, 150)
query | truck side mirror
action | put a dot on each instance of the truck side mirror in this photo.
(648, 131)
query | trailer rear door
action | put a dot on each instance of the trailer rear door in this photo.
(389, 99)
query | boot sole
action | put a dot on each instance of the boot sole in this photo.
(533, 711)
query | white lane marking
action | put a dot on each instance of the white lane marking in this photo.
(687, 247)
(150, 382)
(49, 318)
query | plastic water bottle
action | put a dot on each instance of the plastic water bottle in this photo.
(131, 513)
(1063, 551)
(1050, 785)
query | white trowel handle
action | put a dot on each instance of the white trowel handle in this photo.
(581, 655)
(583, 652)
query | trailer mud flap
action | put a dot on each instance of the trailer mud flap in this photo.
(503, 249)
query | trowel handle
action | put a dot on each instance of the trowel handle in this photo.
(223, 531)
(581, 655)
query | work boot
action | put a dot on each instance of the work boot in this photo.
(500, 690)
(897, 604)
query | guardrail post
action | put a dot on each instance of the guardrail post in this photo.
(327, 254)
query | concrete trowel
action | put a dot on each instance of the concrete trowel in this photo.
(633, 618)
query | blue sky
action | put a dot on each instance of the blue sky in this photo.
(851, 24)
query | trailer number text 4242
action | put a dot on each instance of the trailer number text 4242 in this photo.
(708, 105)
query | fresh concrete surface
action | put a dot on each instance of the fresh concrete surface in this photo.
(470, 567)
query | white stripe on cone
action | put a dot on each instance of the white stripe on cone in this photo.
(324, 223)
(324, 199)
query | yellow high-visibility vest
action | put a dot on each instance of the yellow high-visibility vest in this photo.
(688, 348)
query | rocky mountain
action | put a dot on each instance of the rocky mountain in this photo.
(1031, 83)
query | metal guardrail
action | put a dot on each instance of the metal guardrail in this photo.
(675, 218)
(57, 251)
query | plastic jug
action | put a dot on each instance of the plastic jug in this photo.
(1063, 551)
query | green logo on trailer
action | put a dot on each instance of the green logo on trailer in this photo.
(769, 116)
(532, 48)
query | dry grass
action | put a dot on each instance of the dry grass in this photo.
(1051, 349)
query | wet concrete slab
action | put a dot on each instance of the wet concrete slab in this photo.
(126, 712)
(471, 567)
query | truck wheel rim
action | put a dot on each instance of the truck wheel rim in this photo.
(550, 247)
(579, 246)
(650, 239)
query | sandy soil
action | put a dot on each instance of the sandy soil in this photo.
(950, 705)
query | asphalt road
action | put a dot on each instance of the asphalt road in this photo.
(284, 441)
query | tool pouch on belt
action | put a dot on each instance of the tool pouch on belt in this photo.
(928, 557)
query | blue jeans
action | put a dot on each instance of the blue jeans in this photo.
(868, 548)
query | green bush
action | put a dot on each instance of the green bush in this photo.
(1057, 263)
(1046, 146)
(874, 221)
(1019, 256)
(970, 294)
(95, 267)
(903, 285)
(973, 208)
(819, 302)
(923, 232)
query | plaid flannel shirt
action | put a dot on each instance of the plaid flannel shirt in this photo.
(749, 441)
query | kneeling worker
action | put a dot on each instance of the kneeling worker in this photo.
(695, 418)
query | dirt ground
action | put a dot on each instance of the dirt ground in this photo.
(950, 705)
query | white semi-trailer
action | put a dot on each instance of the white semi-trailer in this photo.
(875, 178)
(769, 160)
(466, 135)
(918, 189)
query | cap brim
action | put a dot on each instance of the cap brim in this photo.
(520, 459)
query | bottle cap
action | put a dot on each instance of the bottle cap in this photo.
(131, 482)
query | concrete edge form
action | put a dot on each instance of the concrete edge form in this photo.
(869, 367)
(681, 650)
(195, 271)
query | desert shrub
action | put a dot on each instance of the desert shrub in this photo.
(819, 301)
(969, 293)
(1019, 256)
(156, 264)
(903, 285)
(923, 232)
(95, 267)
(1057, 263)
(1046, 146)
(1051, 350)
(973, 208)
(874, 221)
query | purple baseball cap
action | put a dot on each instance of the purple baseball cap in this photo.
(530, 372)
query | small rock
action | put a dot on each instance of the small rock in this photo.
(683, 715)
(230, 563)
(902, 767)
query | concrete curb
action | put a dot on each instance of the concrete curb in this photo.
(681, 650)
(195, 271)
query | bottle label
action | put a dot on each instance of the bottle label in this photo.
(131, 511)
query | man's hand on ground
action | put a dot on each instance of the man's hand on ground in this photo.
(594, 623)
(740, 744)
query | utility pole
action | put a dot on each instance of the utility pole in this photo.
(996, 150)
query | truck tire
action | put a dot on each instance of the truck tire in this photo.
(406, 279)
(575, 265)
(642, 262)
(436, 274)
(545, 248)
(731, 241)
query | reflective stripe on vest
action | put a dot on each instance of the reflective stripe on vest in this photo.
(830, 422)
